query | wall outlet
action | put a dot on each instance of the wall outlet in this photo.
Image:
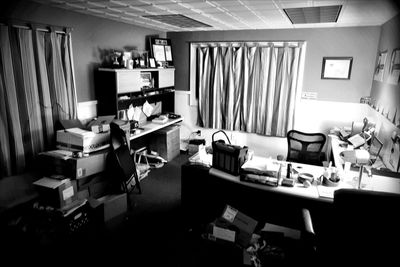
(309, 95)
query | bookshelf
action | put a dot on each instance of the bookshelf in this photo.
(116, 89)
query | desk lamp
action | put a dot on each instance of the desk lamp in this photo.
(359, 157)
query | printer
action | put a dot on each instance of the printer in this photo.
(74, 137)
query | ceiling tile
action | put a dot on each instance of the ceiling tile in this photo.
(228, 15)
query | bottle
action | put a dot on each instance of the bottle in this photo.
(289, 171)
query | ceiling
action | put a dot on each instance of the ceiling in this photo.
(227, 15)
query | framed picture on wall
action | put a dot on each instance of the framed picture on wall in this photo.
(337, 68)
(161, 51)
(394, 69)
(380, 66)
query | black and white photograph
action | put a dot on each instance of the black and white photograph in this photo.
(193, 133)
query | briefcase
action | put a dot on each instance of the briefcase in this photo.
(227, 157)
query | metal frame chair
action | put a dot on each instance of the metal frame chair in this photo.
(126, 166)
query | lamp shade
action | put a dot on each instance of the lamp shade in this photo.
(358, 156)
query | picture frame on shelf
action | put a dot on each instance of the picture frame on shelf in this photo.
(142, 63)
(336, 68)
(152, 62)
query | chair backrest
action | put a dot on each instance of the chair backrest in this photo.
(118, 136)
(375, 149)
(125, 164)
(305, 147)
(366, 225)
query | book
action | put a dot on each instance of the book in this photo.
(161, 119)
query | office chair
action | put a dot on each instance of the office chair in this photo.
(363, 228)
(124, 162)
(375, 149)
(305, 147)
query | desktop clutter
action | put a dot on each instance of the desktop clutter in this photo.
(240, 161)
(358, 135)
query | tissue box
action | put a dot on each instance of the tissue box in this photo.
(101, 124)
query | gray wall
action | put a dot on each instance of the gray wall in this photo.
(91, 36)
(358, 42)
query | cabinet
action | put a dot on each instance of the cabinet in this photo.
(116, 89)
(166, 142)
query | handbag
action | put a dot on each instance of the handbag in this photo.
(227, 157)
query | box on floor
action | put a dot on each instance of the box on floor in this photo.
(110, 209)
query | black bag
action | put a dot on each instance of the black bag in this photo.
(226, 157)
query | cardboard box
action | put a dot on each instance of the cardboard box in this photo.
(100, 124)
(111, 209)
(76, 139)
(76, 168)
(56, 193)
(98, 189)
(244, 224)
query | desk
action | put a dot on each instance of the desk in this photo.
(150, 127)
(206, 190)
(297, 191)
(334, 149)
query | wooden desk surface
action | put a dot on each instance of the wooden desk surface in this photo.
(150, 127)
(319, 192)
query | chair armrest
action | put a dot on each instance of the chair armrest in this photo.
(308, 234)
(308, 225)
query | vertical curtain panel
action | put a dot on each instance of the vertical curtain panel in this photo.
(250, 88)
(36, 89)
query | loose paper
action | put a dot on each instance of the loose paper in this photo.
(130, 112)
(137, 111)
(68, 193)
(147, 109)
(224, 234)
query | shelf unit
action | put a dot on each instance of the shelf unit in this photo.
(116, 89)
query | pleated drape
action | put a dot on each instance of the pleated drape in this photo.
(36, 89)
(248, 88)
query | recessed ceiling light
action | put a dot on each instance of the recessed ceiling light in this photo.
(178, 21)
(320, 14)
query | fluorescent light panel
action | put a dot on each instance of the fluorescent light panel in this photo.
(178, 21)
(321, 14)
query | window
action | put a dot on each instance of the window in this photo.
(247, 86)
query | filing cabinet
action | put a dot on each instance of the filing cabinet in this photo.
(166, 142)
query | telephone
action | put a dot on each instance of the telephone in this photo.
(173, 116)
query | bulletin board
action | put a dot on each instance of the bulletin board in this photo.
(161, 51)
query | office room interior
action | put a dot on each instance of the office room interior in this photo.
(365, 31)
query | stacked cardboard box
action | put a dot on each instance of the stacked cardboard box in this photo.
(233, 226)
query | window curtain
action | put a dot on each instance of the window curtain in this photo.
(250, 88)
(37, 88)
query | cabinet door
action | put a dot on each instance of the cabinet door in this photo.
(128, 81)
(166, 78)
